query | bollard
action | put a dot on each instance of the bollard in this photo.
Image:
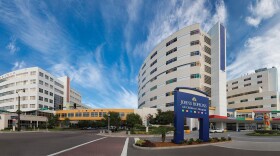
(128, 132)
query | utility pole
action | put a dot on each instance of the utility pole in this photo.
(18, 111)
(108, 122)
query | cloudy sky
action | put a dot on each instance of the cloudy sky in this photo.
(101, 44)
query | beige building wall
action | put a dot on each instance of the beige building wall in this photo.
(258, 91)
(157, 98)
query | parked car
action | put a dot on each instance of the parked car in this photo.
(217, 130)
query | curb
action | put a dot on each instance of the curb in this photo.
(177, 147)
(131, 136)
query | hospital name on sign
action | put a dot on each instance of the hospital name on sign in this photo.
(193, 105)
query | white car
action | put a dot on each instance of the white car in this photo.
(217, 130)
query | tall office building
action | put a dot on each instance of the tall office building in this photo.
(256, 91)
(188, 58)
(42, 90)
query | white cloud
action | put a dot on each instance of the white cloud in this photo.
(177, 15)
(18, 65)
(11, 46)
(263, 9)
(258, 52)
(33, 24)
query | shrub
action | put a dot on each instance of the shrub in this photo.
(223, 139)
(211, 140)
(139, 142)
(199, 141)
(216, 139)
(229, 138)
(144, 143)
(266, 131)
(190, 141)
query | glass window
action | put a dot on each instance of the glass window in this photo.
(85, 114)
(32, 98)
(94, 114)
(41, 74)
(33, 73)
(41, 82)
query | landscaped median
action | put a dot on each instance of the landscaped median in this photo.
(149, 145)
(265, 133)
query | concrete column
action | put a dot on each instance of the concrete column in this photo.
(189, 123)
(237, 126)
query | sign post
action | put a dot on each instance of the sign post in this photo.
(191, 106)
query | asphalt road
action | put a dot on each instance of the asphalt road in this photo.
(41, 143)
(197, 151)
(87, 143)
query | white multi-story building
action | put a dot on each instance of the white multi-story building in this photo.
(188, 58)
(256, 91)
(42, 90)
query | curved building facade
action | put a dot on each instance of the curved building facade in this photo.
(188, 58)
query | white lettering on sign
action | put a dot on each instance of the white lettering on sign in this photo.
(192, 103)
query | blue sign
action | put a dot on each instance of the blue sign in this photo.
(191, 106)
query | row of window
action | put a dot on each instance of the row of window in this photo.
(171, 41)
(247, 79)
(154, 70)
(154, 54)
(193, 76)
(153, 98)
(46, 92)
(171, 60)
(169, 93)
(45, 99)
(171, 70)
(254, 107)
(153, 63)
(23, 106)
(87, 114)
(46, 76)
(7, 93)
(171, 51)
(256, 99)
(246, 85)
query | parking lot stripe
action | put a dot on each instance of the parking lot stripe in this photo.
(124, 151)
(76, 147)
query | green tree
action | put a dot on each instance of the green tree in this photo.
(66, 122)
(99, 123)
(163, 118)
(84, 123)
(133, 119)
(163, 130)
(115, 119)
(53, 121)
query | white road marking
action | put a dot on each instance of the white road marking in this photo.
(75, 147)
(124, 151)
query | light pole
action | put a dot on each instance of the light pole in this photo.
(108, 122)
(18, 111)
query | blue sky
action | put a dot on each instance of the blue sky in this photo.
(101, 45)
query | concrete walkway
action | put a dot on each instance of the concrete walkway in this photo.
(254, 146)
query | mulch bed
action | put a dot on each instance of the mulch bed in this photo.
(168, 144)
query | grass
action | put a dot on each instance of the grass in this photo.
(264, 134)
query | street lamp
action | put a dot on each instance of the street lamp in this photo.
(18, 111)
(108, 122)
